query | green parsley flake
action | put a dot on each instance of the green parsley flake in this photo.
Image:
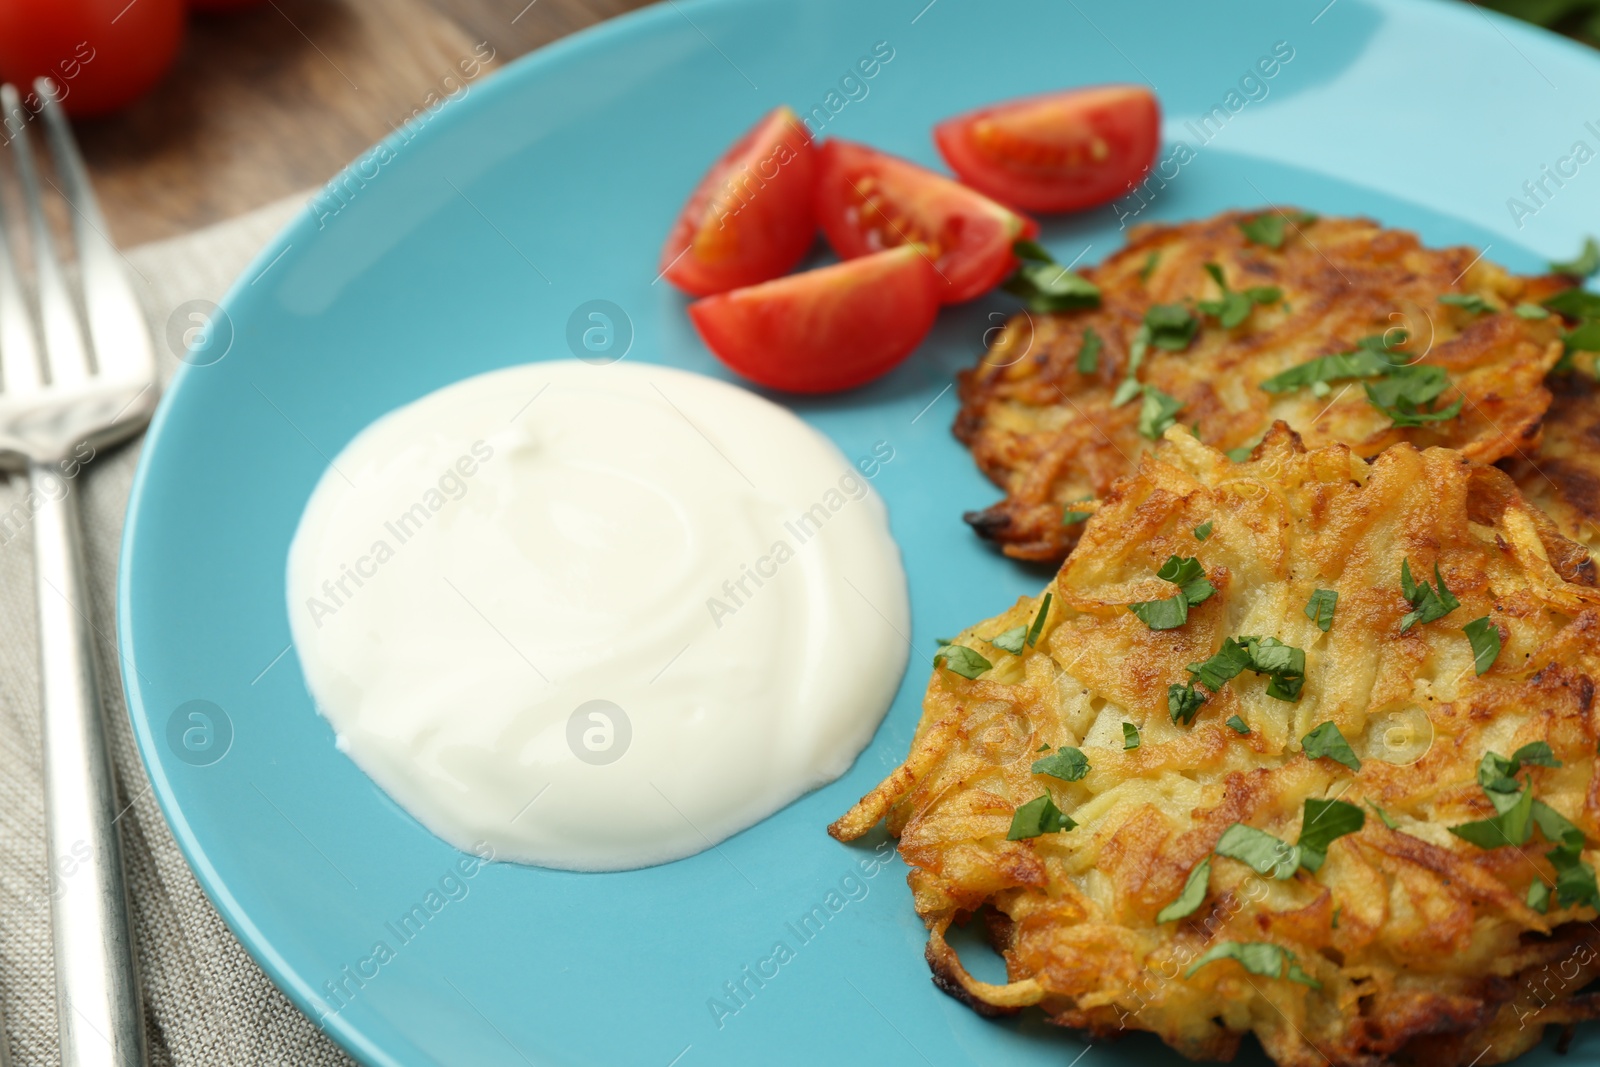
(1284, 665)
(1193, 895)
(1238, 724)
(1045, 285)
(1406, 395)
(1319, 609)
(1584, 265)
(1326, 821)
(1193, 588)
(1011, 640)
(1257, 957)
(1067, 763)
(1585, 338)
(1485, 638)
(961, 659)
(1130, 736)
(1539, 897)
(1327, 742)
(1241, 454)
(1388, 820)
(1149, 265)
(1512, 826)
(1575, 304)
(1089, 352)
(1530, 311)
(1259, 850)
(1171, 326)
(1270, 229)
(1203, 531)
(1234, 307)
(1472, 302)
(1158, 412)
(1038, 816)
(1427, 604)
(1038, 620)
(1372, 357)
(1184, 702)
(1129, 388)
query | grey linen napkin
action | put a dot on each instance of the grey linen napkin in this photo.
(205, 1001)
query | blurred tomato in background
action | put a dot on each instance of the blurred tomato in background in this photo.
(102, 53)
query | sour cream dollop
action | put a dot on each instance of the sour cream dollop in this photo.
(598, 617)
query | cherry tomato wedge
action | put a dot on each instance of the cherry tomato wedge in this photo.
(868, 201)
(750, 218)
(826, 329)
(1057, 152)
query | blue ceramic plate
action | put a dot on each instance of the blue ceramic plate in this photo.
(472, 240)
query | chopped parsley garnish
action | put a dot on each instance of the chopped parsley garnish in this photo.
(1388, 820)
(1066, 763)
(1585, 264)
(1512, 826)
(1259, 850)
(1234, 307)
(1038, 620)
(1072, 514)
(1518, 813)
(1193, 588)
(1575, 304)
(1045, 285)
(961, 659)
(1203, 531)
(1038, 816)
(1240, 454)
(1539, 897)
(1371, 358)
(1427, 603)
(1193, 895)
(1158, 412)
(1127, 389)
(1485, 638)
(1011, 640)
(1284, 665)
(1319, 609)
(1468, 302)
(1270, 229)
(1089, 352)
(1258, 957)
(1327, 742)
(1238, 724)
(1326, 821)
(1184, 702)
(1530, 311)
(1130, 736)
(1406, 394)
(1585, 338)
(1171, 326)
(1150, 262)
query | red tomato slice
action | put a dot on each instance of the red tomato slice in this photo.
(868, 201)
(750, 218)
(1057, 152)
(827, 329)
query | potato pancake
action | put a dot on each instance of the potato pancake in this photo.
(1041, 410)
(1302, 746)
(1563, 477)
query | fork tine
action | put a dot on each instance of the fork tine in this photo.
(118, 333)
(64, 350)
(19, 349)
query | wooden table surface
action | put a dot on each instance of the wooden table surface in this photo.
(266, 102)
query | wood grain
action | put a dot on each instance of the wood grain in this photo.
(266, 102)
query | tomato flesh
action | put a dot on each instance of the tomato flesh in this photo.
(750, 218)
(1057, 152)
(827, 329)
(868, 201)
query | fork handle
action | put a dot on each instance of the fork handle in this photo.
(98, 1013)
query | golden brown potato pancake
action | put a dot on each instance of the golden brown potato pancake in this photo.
(1407, 944)
(1563, 476)
(1048, 433)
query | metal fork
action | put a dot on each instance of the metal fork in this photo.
(95, 385)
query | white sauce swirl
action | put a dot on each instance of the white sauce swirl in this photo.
(599, 617)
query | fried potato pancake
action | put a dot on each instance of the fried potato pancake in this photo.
(1044, 427)
(1406, 944)
(1563, 477)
